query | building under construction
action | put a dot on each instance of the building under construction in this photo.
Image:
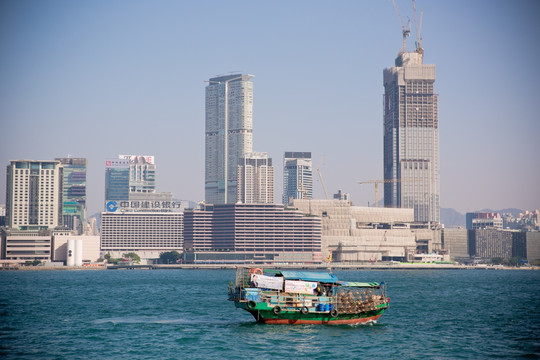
(411, 132)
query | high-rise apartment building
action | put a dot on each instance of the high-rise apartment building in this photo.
(34, 195)
(229, 134)
(117, 180)
(74, 192)
(297, 176)
(411, 136)
(255, 179)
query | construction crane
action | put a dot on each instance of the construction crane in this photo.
(377, 182)
(406, 31)
(321, 178)
(418, 28)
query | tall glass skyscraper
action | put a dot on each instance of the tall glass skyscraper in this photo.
(411, 137)
(116, 180)
(74, 191)
(297, 176)
(229, 134)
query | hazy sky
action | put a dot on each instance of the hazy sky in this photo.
(100, 78)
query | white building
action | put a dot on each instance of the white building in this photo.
(147, 233)
(255, 179)
(229, 134)
(34, 194)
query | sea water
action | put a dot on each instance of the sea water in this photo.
(184, 314)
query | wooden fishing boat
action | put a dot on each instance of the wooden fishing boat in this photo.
(305, 297)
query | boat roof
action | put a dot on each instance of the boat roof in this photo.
(359, 284)
(323, 277)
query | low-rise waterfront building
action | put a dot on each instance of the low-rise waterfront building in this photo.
(74, 250)
(147, 233)
(22, 245)
(368, 234)
(455, 241)
(251, 233)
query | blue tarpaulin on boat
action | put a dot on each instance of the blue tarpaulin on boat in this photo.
(310, 276)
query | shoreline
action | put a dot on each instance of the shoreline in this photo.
(404, 266)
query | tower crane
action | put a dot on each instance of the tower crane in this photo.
(321, 178)
(418, 28)
(377, 182)
(406, 31)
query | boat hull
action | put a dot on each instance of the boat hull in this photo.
(267, 316)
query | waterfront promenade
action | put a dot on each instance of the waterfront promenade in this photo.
(334, 266)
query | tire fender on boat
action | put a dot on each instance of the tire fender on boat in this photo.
(277, 310)
(304, 310)
(334, 313)
(251, 304)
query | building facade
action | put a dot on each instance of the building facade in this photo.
(455, 241)
(483, 220)
(251, 233)
(145, 233)
(487, 244)
(25, 245)
(411, 137)
(297, 176)
(34, 194)
(229, 134)
(142, 173)
(74, 193)
(255, 179)
(117, 180)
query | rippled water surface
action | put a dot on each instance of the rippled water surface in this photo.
(184, 314)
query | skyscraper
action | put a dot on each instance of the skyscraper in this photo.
(255, 179)
(297, 176)
(142, 173)
(229, 134)
(411, 136)
(34, 195)
(116, 180)
(74, 192)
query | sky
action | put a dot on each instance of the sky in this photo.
(100, 78)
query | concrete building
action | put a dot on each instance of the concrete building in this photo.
(147, 233)
(74, 193)
(34, 194)
(368, 234)
(251, 233)
(486, 244)
(297, 176)
(411, 137)
(455, 241)
(22, 245)
(526, 245)
(255, 179)
(229, 134)
(142, 173)
(484, 220)
(85, 247)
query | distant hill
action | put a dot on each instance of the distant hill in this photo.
(452, 218)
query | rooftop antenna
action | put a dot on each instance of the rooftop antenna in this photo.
(406, 31)
(418, 28)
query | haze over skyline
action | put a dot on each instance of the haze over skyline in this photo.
(103, 78)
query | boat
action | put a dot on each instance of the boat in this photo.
(305, 297)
